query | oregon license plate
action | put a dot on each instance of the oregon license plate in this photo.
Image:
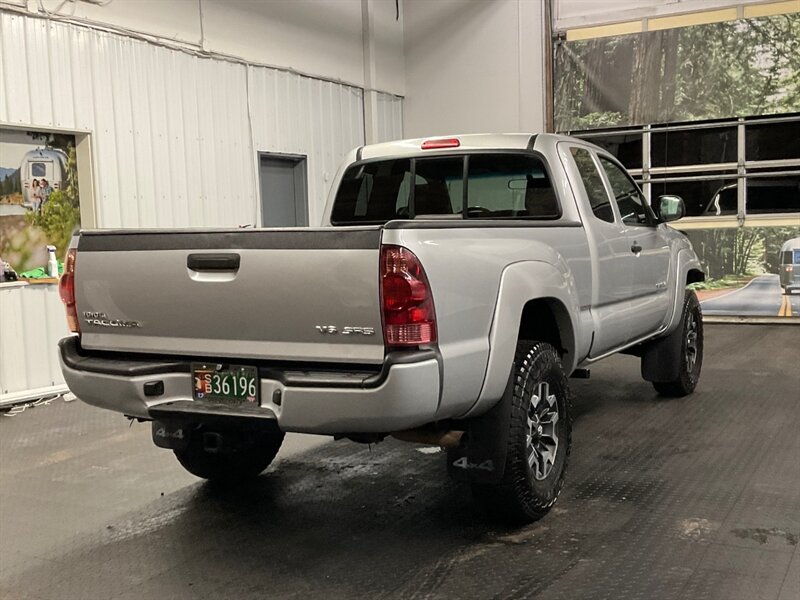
(227, 384)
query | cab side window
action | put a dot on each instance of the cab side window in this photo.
(593, 183)
(631, 202)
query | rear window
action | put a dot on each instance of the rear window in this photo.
(38, 169)
(496, 186)
(502, 185)
(796, 257)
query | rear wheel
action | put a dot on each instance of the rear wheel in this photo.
(539, 438)
(228, 455)
(691, 354)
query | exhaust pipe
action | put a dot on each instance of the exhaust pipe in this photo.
(445, 439)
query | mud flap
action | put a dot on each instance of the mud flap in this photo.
(661, 360)
(481, 455)
(173, 436)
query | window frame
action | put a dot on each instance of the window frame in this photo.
(652, 220)
(599, 169)
(464, 155)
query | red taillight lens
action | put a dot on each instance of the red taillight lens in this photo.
(66, 289)
(442, 143)
(408, 315)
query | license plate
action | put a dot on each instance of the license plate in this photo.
(226, 384)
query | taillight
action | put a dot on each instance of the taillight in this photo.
(66, 289)
(408, 315)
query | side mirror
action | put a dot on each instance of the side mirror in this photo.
(671, 208)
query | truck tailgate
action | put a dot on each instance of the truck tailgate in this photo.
(289, 294)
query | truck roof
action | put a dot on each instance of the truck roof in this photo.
(470, 141)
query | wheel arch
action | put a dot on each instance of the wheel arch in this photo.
(689, 270)
(547, 320)
(695, 275)
(536, 301)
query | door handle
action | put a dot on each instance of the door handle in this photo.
(213, 262)
(636, 248)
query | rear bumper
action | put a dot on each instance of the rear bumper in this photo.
(403, 395)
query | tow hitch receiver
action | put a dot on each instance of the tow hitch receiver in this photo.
(172, 436)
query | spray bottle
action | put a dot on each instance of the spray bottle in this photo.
(52, 262)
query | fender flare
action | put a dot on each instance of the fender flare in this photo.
(687, 261)
(520, 283)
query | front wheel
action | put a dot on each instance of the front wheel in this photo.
(539, 438)
(230, 456)
(691, 353)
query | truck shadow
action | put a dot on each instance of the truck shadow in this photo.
(342, 516)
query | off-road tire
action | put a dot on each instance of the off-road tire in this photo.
(688, 370)
(256, 450)
(519, 497)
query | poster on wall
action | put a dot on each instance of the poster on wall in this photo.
(718, 70)
(750, 271)
(39, 202)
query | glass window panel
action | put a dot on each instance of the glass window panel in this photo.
(593, 184)
(701, 146)
(626, 148)
(38, 169)
(772, 141)
(373, 193)
(772, 195)
(510, 185)
(712, 197)
(439, 187)
(631, 202)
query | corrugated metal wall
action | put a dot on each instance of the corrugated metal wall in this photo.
(390, 118)
(298, 115)
(174, 137)
(31, 320)
(173, 144)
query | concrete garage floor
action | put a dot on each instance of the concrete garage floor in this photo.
(691, 498)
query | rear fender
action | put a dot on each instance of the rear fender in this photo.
(520, 283)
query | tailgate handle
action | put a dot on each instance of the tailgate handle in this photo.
(213, 262)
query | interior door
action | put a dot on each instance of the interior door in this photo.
(284, 200)
(612, 260)
(648, 247)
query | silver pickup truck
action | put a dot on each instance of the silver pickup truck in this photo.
(455, 285)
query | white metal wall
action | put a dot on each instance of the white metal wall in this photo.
(175, 138)
(31, 320)
(171, 137)
(297, 115)
(390, 118)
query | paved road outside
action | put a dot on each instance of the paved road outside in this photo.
(762, 297)
(665, 499)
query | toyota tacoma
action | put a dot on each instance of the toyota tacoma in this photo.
(453, 288)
